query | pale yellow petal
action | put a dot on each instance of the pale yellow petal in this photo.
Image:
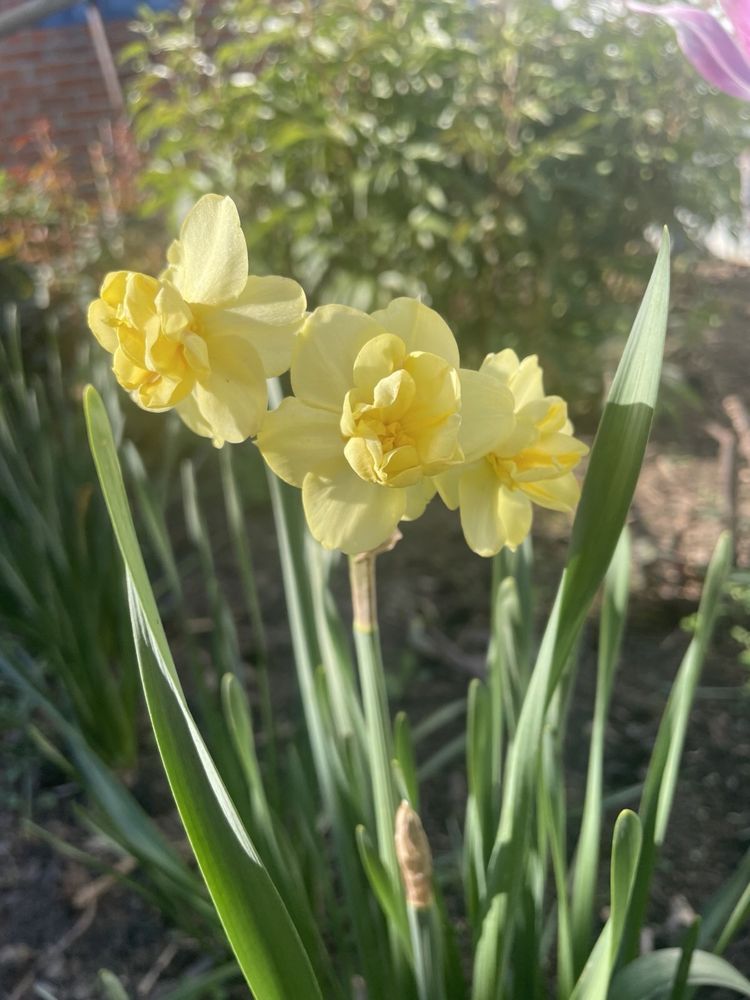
(515, 512)
(349, 514)
(479, 496)
(486, 414)
(378, 359)
(163, 392)
(268, 313)
(420, 328)
(439, 448)
(417, 498)
(296, 439)
(401, 467)
(101, 318)
(113, 287)
(196, 353)
(129, 374)
(190, 415)
(364, 456)
(526, 383)
(560, 494)
(523, 435)
(438, 391)
(209, 261)
(502, 365)
(447, 484)
(324, 354)
(232, 398)
(139, 302)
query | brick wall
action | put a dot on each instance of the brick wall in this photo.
(54, 73)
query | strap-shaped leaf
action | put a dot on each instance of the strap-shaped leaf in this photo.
(626, 846)
(256, 922)
(616, 460)
(651, 976)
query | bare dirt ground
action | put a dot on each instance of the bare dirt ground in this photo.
(433, 597)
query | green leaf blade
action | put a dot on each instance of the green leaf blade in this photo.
(258, 926)
(650, 977)
(616, 459)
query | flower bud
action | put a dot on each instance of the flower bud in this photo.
(414, 857)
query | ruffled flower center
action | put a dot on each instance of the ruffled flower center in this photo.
(160, 349)
(400, 421)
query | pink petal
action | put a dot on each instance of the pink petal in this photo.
(707, 46)
(738, 12)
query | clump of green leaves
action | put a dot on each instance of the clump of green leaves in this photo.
(329, 911)
(501, 159)
(59, 597)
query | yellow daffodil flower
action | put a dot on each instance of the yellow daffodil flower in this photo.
(204, 336)
(532, 464)
(380, 407)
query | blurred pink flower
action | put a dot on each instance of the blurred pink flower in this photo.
(721, 59)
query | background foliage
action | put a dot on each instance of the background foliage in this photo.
(501, 159)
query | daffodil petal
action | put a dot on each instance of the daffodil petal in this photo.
(486, 414)
(324, 354)
(128, 373)
(526, 383)
(209, 261)
(479, 496)
(113, 287)
(417, 498)
(447, 484)
(515, 512)
(420, 328)
(232, 398)
(190, 415)
(379, 358)
(296, 439)
(502, 365)
(100, 320)
(560, 493)
(349, 514)
(268, 313)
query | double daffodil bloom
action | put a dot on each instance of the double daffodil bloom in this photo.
(532, 464)
(204, 336)
(380, 407)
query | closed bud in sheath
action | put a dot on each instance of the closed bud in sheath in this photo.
(414, 857)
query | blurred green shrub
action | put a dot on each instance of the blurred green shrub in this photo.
(738, 592)
(501, 159)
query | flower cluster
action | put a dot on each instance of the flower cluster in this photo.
(382, 416)
(204, 336)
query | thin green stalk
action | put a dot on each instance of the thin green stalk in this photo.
(424, 927)
(287, 516)
(379, 739)
(372, 681)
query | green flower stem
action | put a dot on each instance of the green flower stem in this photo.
(378, 736)
(372, 681)
(424, 927)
